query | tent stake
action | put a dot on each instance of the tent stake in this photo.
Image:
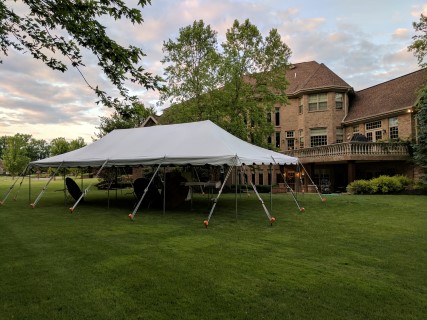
(45, 187)
(132, 215)
(87, 189)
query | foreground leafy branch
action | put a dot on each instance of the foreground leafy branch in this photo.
(55, 32)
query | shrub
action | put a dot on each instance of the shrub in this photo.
(381, 184)
(359, 187)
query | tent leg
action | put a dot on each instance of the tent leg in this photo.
(235, 195)
(45, 187)
(29, 186)
(87, 189)
(271, 188)
(132, 215)
(164, 190)
(206, 222)
(65, 190)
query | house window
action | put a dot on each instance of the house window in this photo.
(356, 129)
(290, 142)
(339, 99)
(393, 128)
(339, 135)
(372, 132)
(260, 179)
(318, 137)
(277, 117)
(269, 140)
(301, 138)
(373, 125)
(278, 140)
(317, 102)
(300, 107)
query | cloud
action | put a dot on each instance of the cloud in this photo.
(417, 10)
(401, 33)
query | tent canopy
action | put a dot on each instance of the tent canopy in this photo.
(195, 143)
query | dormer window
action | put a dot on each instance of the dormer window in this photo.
(318, 102)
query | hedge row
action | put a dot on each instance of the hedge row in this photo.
(380, 185)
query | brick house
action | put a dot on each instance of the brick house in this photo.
(325, 115)
(339, 134)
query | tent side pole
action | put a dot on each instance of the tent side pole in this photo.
(87, 189)
(65, 190)
(235, 194)
(164, 190)
(271, 187)
(29, 186)
(132, 215)
(206, 222)
(45, 187)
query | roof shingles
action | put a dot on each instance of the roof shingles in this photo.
(387, 97)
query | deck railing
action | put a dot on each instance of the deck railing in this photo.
(354, 149)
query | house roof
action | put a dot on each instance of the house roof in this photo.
(312, 76)
(391, 97)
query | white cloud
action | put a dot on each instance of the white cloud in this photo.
(401, 33)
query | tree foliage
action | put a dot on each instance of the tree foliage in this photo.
(236, 88)
(59, 146)
(37, 149)
(124, 117)
(192, 69)
(55, 32)
(419, 44)
(419, 47)
(420, 148)
(15, 157)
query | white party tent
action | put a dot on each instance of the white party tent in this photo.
(195, 143)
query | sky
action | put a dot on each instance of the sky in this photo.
(363, 42)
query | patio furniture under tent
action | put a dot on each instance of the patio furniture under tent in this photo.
(196, 143)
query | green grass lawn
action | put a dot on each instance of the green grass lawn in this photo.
(352, 257)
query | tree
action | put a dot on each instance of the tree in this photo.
(419, 45)
(420, 148)
(55, 32)
(3, 141)
(192, 71)
(124, 117)
(37, 149)
(236, 88)
(76, 144)
(59, 146)
(15, 157)
(254, 70)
